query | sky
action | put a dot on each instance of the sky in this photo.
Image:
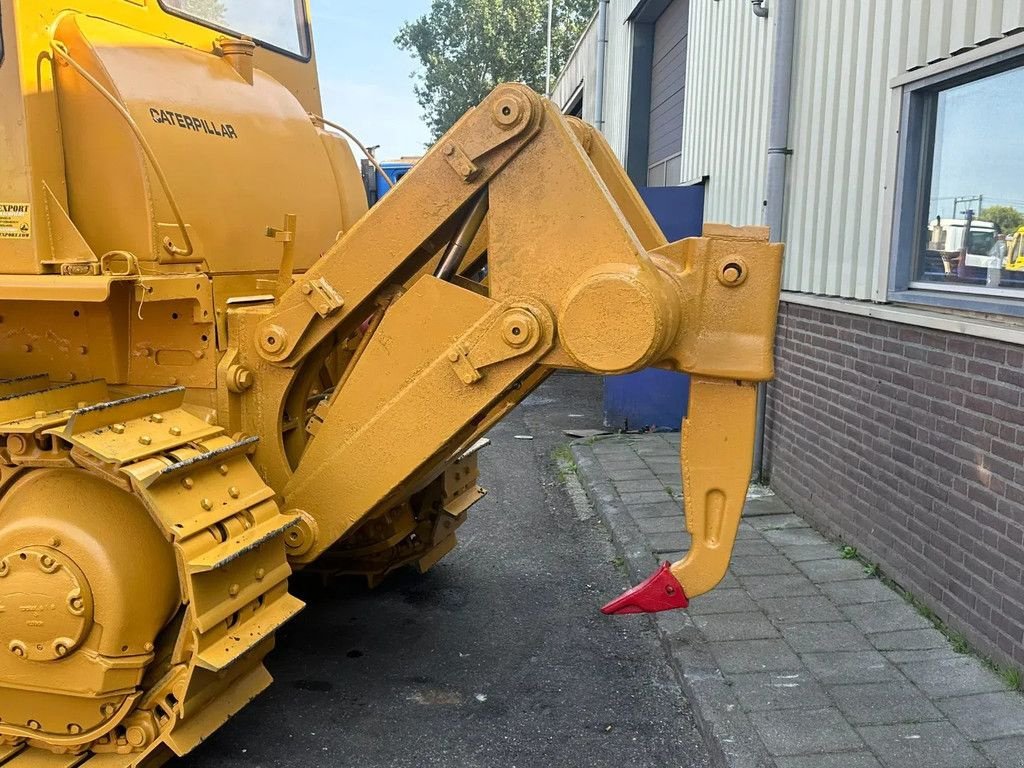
(364, 78)
(978, 144)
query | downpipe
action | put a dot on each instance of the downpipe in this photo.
(602, 64)
(785, 12)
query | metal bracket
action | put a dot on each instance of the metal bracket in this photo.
(322, 296)
(461, 162)
(503, 334)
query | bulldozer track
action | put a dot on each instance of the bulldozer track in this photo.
(228, 536)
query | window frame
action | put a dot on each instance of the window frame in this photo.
(304, 30)
(919, 106)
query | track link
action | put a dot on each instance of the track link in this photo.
(228, 535)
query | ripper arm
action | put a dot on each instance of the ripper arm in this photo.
(579, 276)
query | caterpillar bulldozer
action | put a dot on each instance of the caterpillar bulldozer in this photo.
(219, 367)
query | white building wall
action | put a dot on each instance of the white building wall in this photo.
(844, 121)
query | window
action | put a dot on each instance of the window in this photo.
(278, 24)
(960, 218)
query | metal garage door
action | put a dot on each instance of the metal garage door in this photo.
(668, 89)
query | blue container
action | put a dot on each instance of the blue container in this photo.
(395, 171)
(654, 398)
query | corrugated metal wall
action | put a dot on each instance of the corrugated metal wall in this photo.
(843, 126)
(582, 68)
(725, 130)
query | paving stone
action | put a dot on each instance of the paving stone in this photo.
(986, 715)
(830, 636)
(921, 745)
(639, 486)
(668, 542)
(766, 505)
(613, 468)
(850, 667)
(660, 509)
(822, 571)
(746, 533)
(626, 475)
(798, 553)
(797, 610)
(762, 566)
(766, 588)
(753, 548)
(800, 731)
(833, 760)
(889, 616)
(644, 497)
(778, 690)
(904, 656)
(860, 591)
(755, 656)
(722, 600)
(1005, 753)
(736, 626)
(956, 676)
(777, 522)
(805, 536)
(883, 703)
(661, 524)
(908, 640)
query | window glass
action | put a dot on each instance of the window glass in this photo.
(972, 237)
(279, 23)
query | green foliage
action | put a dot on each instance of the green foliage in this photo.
(1007, 220)
(467, 47)
(848, 553)
(1012, 677)
(871, 569)
(959, 642)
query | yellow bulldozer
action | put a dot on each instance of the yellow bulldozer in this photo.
(219, 367)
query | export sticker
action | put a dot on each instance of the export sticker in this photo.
(15, 221)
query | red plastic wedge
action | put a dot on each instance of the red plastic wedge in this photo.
(660, 592)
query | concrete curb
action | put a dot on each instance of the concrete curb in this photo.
(731, 738)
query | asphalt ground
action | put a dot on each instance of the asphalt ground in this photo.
(497, 657)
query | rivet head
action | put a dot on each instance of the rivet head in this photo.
(145, 440)
(233, 492)
(206, 504)
(117, 429)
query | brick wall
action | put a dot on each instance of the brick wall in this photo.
(909, 444)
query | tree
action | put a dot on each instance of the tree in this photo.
(467, 47)
(1007, 220)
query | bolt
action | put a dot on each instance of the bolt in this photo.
(157, 418)
(55, 542)
(77, 605)
(233, 492)
(60, 649)
(74, 729)
(307, 289)
(47, 562)
(453, 357)
(40, 414)
(26, 347)
(107, 710)
(83, 350)
(200, 354)
(234, 590)
(4, 568)
(206, 504)
(449, 151)
(176, 431)
(260, 574)
(136, 737)
(223, 469)
(33, 725)
(148, 647)
(189, 483)
(117, 429)
(17, 648)
(145, 440)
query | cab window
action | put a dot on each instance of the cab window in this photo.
(277, 24)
